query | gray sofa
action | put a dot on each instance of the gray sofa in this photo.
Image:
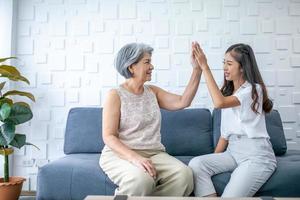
(185, 133)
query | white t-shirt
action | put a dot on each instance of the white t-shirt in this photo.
(242, 120)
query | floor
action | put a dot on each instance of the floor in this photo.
(27, 195)
(27, 198)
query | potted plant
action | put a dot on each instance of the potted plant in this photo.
(11, 114)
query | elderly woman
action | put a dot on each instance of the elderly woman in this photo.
(133, 156)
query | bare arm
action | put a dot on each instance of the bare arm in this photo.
(110, 124)
(171, 101)
(218, 99)
(221, 146)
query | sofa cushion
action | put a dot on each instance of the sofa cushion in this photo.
(84, 131)
(72, 177)
(274, 128)
(187, 132)
(178, 127)
(283, 183)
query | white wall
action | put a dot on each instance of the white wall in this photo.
(6, 17)
(67, 48)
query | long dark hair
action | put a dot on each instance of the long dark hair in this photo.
(244, 55)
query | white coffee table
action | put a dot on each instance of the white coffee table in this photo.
(96, 197)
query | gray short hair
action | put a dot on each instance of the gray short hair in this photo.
(130, 54)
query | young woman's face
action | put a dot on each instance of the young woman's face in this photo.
(232, 69)
(143, 69)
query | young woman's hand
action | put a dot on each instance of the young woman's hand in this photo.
(194, 62)
(145, 164)
(200, 56)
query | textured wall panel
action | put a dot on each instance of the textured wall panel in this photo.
(295, 61)
(262, 45)
(267, 26)
(109, 9)
(160, 27)
(248, 26)
(26, 47)
(79, 27)
(162, 42)
(161, 61)
(296, 45)
(25, 11)
(294, 9)
(196, 5)
(58, 28)
(283, 26)
(104, 45)
(57, 62)
(213, 9)
(184, 27)
(285, 78)
(282, 44)
(269, 77)
(39, 131)
(75, 62)
(127, 9)
(181, 45)
(288, 113)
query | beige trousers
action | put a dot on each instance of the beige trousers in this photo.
(173, 177)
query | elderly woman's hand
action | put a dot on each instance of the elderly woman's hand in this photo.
(145, 164)
(193, 58)
(200, 56)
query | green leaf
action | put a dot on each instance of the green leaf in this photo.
(11, 69)
(2, 85)
(8, 131)
(12, 73)
(4, 59)
(22, 78)
(18, 141)
(20, 113)
(2, 140)
(4, 111)
(27, 143)
(6, 100)
(16, 92)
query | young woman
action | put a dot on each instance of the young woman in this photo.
(244, 146)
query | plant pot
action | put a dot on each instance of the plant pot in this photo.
(11, 190)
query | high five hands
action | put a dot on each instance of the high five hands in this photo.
(199, 56)
(194, 62)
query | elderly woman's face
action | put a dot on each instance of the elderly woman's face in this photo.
(143, 69)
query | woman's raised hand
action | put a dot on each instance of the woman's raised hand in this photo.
(145, 164)
(200, 56)
(193, 58)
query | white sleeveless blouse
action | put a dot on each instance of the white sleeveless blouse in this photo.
(140, 120)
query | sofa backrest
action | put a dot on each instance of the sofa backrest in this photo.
(274, 128)
(84, 131)
(185, 133)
